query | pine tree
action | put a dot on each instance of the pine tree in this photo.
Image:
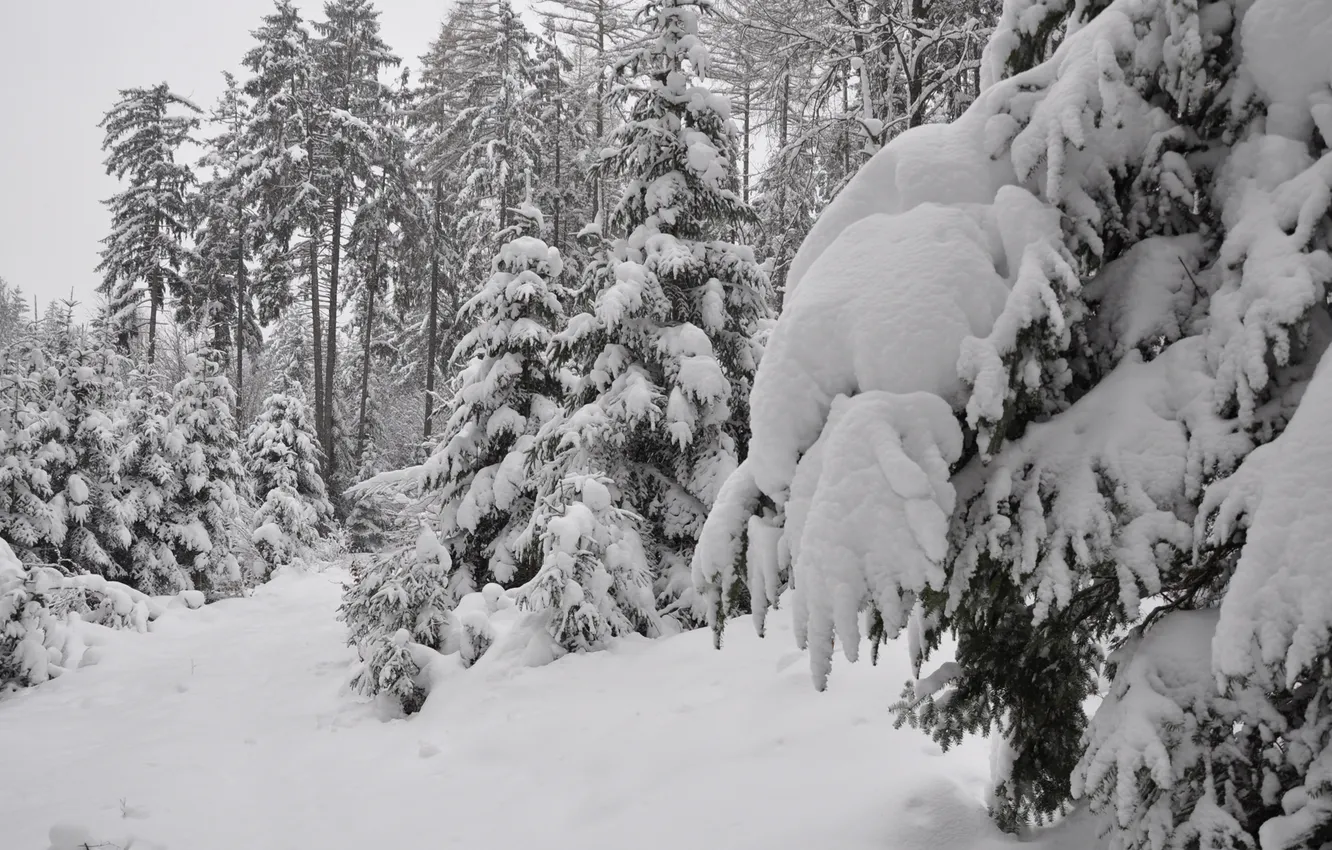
(283, 463)
(600, 33)
(13, 312)
(289, 136)
(668, 351)
(32, 519)
(150, 218)
(349, 56)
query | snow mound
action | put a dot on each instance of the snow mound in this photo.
(1285, 46)
(886, 309)
(1276, 620)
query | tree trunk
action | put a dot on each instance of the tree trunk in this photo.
(365, 354)
(154, 288)
(432, 320)
(317, 326)
(240, 312)
(331, 349)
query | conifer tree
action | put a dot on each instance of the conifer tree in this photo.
(220, 299)
(476, 497)
(349, 55)
(148, 485)
(600, 33)
(283, 463)
(1107, 444)
(145, 252)
(13, 312)
(668, 351)
(206, 513)
(498, 128)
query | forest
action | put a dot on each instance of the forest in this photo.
(987, 336)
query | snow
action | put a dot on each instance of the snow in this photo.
(886, 308)
(232, 728)
(939, 163)
(1276, 620)
(1285, 44)
(868, 517)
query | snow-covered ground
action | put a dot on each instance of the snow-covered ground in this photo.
(230, 727)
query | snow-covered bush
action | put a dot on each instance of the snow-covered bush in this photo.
(401, 596)
(594, 582)
(282, 459)
(1015, 396)
(40, 609)
(31, 635)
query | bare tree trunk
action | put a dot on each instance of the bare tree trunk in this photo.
(152, 317)
(745, 133)
(365, 354)
(331, 350)
(432, 320)
(240, 312)
(317, 327)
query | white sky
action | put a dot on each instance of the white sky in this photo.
(60, 68)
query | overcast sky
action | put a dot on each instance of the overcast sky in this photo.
(60, 68)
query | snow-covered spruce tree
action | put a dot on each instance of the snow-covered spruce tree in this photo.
(150, 217)
(84, 386)
(1014, 396)
(32, 518)
(498, 129)
(667, 354)
(147, 487)
(475, 497)
(594, 578)
(282, 458)
(58, 433)
(220, 299)
(207, 511)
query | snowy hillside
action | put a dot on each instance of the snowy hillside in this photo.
(231, 727)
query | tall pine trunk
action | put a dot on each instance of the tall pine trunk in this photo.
(331, 349)
(432, 319)
(317, 326)
(240, 311)
(365, 354)
(155, 284)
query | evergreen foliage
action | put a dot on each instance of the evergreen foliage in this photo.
(145, 253)
(282, 459)
(665, 357)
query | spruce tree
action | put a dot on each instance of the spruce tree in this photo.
(497, 130)
(148, 485)
(146, 252)
(1092, 453)
(473, 512)
(349, 55)
(207, 511)
(220, 299)
(667, 353)
(282, 458)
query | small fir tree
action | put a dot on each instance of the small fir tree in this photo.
(283, 462)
